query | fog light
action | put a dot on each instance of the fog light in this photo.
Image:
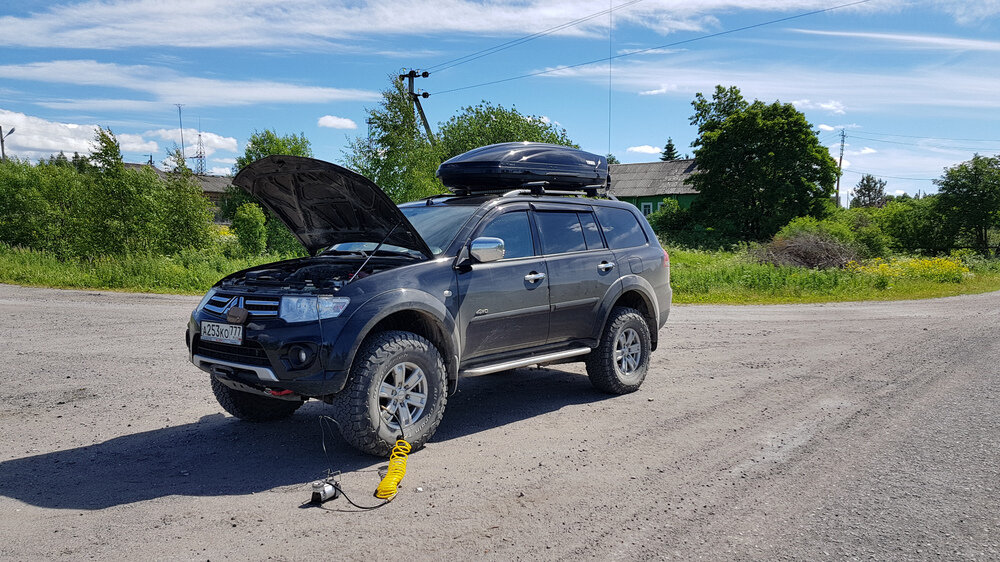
(299, 356)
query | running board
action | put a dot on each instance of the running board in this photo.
(518, 363)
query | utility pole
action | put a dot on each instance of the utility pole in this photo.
(840, 164)
(181, 121)
(3, 151)
(415, 99)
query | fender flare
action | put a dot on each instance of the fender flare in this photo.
(626, 284)
(376, 309)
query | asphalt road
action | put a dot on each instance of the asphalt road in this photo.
(807, 432)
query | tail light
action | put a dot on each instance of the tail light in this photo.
(666, 259)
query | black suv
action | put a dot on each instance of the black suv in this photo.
(396, 303)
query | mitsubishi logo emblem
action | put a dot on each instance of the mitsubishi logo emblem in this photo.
(234, 311)
(235, 302)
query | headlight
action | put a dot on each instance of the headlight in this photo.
(298, 309)
(307, 309)
(204, 300)
(332, 307)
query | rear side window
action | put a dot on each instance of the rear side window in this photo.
(560, 232)
(590, 231)
(515, 231)
(621, 228)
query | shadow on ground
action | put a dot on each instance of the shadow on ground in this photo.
(218, 455)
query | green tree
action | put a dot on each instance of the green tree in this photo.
(612, 159)
(185, 214)
(261, 144)
(709, 115)
(870, 192)
(917, 225)
(670, 151)
(484, 124)
(399, 158)
(969, 195)
(396, 155)
(248, 226)
(759, 166)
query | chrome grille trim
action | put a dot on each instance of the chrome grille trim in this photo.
(256, 306)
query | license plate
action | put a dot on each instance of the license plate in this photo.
(223, 333)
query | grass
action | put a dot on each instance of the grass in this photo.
(188, 273)
(729, 278)
(696, 276)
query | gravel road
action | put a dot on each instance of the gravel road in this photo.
(801, 432)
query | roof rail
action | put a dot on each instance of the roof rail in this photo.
(539, 188)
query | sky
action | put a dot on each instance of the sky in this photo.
(913, 85)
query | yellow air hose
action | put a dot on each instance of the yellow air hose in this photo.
(389, 485)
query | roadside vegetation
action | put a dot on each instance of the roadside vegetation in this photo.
(764, 228)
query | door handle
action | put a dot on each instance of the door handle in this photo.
(534, 277)
(606, 266)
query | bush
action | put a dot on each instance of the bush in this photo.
(250, 230)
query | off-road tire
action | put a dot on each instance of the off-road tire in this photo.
(250, 407)
(357, 407)
(627, 329)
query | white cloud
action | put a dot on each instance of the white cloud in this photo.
(135, 143)
(914, 41)
(166, 86)
(644, 149)
(898, 89)
(334, 122)
(827, 128)
(227, 161)
(329, 25)
(220, 171)
(868, 150)
(663, 89)
(832, 106)
(39, 138)
(211, 141)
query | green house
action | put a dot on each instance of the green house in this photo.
(646, 184)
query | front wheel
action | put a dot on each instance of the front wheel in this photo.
(397, 378)
(251, 407)
(619, 364)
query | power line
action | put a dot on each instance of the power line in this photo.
(860, 173)
(640, 51)
(982, 148)
(440, 67)
(928, 138)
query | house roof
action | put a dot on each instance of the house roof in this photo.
(208, 184)
(650, 179)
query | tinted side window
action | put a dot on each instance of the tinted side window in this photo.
(590, 232)
(515, 231)
(560, 232)
(621, 228)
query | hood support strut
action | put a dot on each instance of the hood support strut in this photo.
(371, 255)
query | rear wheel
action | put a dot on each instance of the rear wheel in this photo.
(397, 377)
(619, 364)
(251, 407)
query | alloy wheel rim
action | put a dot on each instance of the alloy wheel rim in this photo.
(628, 352)
(404, 391)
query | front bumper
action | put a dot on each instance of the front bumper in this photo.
(262, 360)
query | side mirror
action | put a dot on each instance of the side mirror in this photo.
(485, 249)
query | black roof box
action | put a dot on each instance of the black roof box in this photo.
(510, 165)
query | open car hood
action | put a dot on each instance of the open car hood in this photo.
(324, 204)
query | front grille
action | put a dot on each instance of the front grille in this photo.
(248, 353)
(255, 305)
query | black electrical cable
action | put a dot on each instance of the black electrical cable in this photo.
(640, 51)
(521, 40)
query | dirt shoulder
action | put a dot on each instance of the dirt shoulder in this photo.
(856, 430)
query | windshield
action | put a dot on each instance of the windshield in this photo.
(438, 224)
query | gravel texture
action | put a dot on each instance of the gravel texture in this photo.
(803, 432)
